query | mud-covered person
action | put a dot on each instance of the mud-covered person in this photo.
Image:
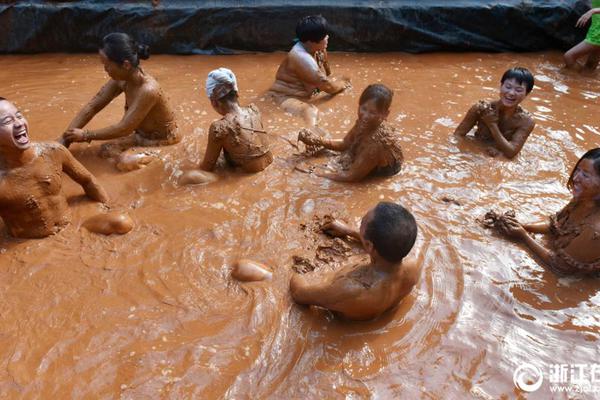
(148, 120)
(502, 124)
(372, 147)
(239, 134)
(574, 232)
(362, 291)
(305, 71)
(31, 202)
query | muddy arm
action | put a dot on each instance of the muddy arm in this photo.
(364, 164)
(513, 147)
(317, 78)
(81, 175)
(134, 116)
(538, 227)
(468, 121)
(106, 94)
(213, 150)
(324, 293)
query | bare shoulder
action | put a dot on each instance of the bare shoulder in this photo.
(412, 270)
(50, 148)
(150, 88)
(220, 128)
(253, 108)
(524, 118)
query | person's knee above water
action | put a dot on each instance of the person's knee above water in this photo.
(365, 290)
(240, 133)
(31, 202)
(573, 232)
(148, 120)
(503, 124)
(590, 46)
(372, 147)
(305, 70)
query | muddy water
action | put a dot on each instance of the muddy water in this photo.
(154, 313)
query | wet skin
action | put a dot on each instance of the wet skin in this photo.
(357, 291)
(147, 112)
(576, 234)
(31, 202)
(501, 123)
(365, 158)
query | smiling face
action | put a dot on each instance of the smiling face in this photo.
(369, 115)
(114, 70)
(14, 130)
(586, 180)
(512, 93)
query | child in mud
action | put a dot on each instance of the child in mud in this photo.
(574, 231)
(372, 147)
(364, 291)
(590, 46)
(305, 71)
(240, 133)
(502, 124)
(31, 202)
(148, 119)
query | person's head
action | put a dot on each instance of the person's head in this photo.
(515, 85)
(14, 130)
(121, 55)
(222, 89)
(584, 181)
(313, 31)
(374, 105)
(390, 230)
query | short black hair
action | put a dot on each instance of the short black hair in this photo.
(521, 75)
(2, 98)
(312, 28)
(392, 230)
(380, 93)
(594, 155)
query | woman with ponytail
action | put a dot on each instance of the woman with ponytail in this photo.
(148, 119)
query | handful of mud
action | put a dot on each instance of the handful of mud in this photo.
(312, 142)
(497, 221)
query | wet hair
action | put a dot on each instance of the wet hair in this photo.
(380, 93)
(312, 28)
(521, 75)
(120, 47)
(392, 230)
(232, 96)
(594, 155)
(3, 99)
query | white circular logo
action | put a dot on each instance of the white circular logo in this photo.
(526, 373)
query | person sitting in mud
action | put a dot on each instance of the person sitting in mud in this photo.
(502, 124)
(372, 147)
(574, 232)
(305, 71)
(590, 46)
(31, 202)
(364, 291)
(148, 119)
(240, 133)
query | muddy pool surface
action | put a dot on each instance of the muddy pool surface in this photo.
(155, 314)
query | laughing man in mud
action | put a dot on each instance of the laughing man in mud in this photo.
(305, 71)
(502, 124)
(362, 291)
(372, 147)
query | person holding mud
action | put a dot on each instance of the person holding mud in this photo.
(372, 147)
(362, 291)
(502, 124)
(31, 202)
(574, 232)
(148, 119)
(590, 46)
(305, 71)
(239, 134)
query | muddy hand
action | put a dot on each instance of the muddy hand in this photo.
(336, 228)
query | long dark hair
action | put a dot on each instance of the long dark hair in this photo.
(594, 155)
(120, 47)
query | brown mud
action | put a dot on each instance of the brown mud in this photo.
(155, 314)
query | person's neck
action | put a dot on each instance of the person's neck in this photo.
(506, 111)
(136, 77)
(382, 265)
(308, 47)
(16, 158)
(233, 108)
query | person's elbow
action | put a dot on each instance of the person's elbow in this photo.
(511, 153)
